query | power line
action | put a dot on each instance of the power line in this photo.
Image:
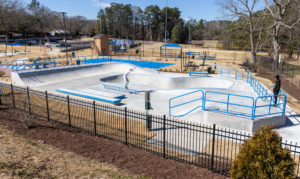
(100, 18)
(65, 34)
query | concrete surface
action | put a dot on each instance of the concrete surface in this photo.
(163, 86)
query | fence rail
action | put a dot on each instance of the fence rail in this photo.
(252, 105)
(201, 145)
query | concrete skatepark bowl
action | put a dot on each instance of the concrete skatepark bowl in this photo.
(216, 99)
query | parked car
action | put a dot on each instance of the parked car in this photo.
(64, 44)
(51, 44)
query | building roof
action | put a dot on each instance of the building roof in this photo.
(99, 35)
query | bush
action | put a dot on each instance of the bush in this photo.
(262, 156)
(2, 73)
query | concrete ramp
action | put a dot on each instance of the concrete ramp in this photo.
(61, 74)
(90, 96)
(102, 93)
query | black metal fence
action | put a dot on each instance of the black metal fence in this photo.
(286, 70)
(201, 145)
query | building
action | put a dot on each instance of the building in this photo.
(100, 44)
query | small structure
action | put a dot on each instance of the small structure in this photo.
(100, 44)
(58, 32)
(170, 51)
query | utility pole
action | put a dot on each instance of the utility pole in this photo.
(190, 38)
(166, 23)
(65, 34)
(100, 18)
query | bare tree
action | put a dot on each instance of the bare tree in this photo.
(255, 18)
(284, 13)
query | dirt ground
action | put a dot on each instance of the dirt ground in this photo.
(26, 158)
(131, 162)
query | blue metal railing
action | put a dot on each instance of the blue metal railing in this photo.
(229, 104)
(53, 62)
(265, 96)
(173, 100)
(260, 89)
(64, 61)
(117, 88)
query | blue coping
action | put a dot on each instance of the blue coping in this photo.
(117, 101)
(201, 73)
(117, 96)
(142, 64)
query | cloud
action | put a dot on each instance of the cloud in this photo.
(187, 18)
(103, 4)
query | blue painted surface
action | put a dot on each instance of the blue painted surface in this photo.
(117, 101)
(87, 60)
(142, 64)
(171, 45)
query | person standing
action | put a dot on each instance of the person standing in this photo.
(125, 77)
(276, 89)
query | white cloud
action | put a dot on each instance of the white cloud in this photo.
(187, 18)
(103, 4)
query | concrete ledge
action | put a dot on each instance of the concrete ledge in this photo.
(243, 124)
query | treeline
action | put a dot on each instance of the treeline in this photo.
(269, 24)
(35, 19)
(118, 21)
(132, 22)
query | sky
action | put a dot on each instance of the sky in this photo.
(197, 9)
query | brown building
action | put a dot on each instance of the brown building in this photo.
(100, 45)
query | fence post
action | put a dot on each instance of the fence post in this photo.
(95, 124)
(126, 131)
(47, 105)
(227, 102)
(69, 112)
(164, 137)
(28, 97)
(213, 148)
(13, 96)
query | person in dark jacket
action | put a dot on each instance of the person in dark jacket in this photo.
(276, 89)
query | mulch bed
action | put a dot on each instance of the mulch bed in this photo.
(126, 158)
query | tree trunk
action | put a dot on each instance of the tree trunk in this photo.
(276, 48)
(253, 56)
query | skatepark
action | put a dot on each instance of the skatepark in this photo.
(198, 97)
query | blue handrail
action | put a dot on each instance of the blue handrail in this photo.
(264, 94)
(184, 103)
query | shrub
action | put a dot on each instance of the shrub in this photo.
(2, 73)
(262, 156)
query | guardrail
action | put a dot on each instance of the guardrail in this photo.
(229, 104)
(64, 61)
(260, 89)
(265, 96)
(54, 62)
(172, 101)
(117, 88)
(253, 104)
